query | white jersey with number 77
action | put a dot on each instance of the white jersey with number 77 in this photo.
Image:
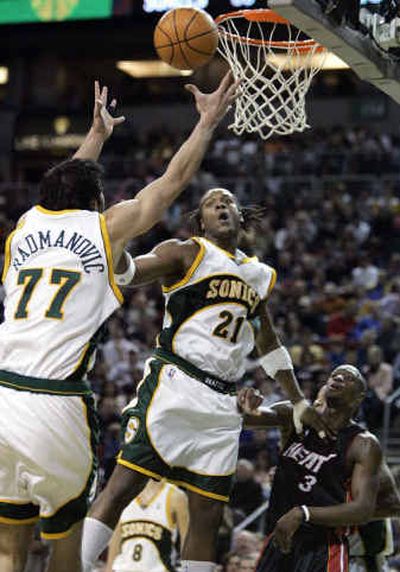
(59, 286)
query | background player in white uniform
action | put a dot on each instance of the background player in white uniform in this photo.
(60, 288)
(148, 529)
(185, 424)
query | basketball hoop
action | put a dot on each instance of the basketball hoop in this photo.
(275, 63)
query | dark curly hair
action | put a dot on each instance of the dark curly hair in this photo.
(73, 184)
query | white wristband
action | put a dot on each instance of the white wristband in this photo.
(306, 513)
(298, 410)
(275, 361)
(126, 278)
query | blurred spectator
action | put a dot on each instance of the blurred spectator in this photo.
(117, 349)
(247, 493)
(366, 274)
(379, 374)
(245, 543)
(231, 562)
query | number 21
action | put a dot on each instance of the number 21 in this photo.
(223, 328)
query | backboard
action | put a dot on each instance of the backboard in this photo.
(362, 49)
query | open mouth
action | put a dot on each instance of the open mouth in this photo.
(224, 216)
(336, 386)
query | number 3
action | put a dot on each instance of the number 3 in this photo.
(308, 484)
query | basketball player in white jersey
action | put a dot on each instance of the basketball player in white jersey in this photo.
(185, 424)
(148, 529)
(59, 284)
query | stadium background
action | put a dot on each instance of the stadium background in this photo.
(332, 198)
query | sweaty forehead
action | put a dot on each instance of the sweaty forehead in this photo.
(216, 193)
(348, 370)
(353, 372)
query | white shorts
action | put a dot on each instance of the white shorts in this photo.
(181, 429)
(47, 459)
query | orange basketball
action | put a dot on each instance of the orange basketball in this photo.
(186, 38)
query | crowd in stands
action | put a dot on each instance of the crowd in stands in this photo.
(331, 228)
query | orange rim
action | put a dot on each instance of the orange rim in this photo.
(265, 15)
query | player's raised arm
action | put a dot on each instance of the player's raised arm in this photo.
(102, 125)
(133, 217)
(277, 363)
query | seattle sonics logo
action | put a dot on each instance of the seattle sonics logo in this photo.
(53, 9)
(131, 429)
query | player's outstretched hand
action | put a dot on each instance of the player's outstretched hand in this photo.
(249, 400)
(103, 121)
(313, 418)
(213, 106)
(285, 528)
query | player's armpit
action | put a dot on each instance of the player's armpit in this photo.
(388, 498)
(366, 454)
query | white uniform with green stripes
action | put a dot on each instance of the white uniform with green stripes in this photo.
(56, 278)
(182, 426)
(59, 287)
(147, 535)
(207, 318)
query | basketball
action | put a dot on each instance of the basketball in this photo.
(186, 38)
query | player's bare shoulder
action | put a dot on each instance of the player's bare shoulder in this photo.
(365, 447)
(181, 254)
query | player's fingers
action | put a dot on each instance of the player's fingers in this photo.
(104, 95)
(96, 90)
(225, 82)
(192, 88)
(99, 104)
(119, 120)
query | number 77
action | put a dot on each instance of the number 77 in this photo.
(30, 279)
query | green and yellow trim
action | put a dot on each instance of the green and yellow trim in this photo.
(43, 210)
(107, 246)
(40, 385)
(7, 249)
(18, 512)
(57, 535)
(200, 491)
(19, 521)
(272, 281)
(192, 269)
(138, 469)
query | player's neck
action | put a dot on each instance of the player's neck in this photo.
(338, 417)
(227, 243)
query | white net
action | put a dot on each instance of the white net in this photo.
(275, 66)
